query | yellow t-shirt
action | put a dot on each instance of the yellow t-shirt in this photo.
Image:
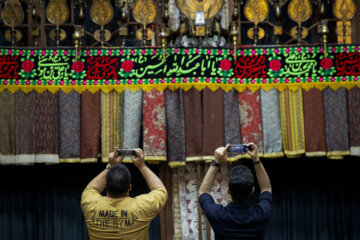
(121, 218)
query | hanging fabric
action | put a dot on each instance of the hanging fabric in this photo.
(354, 119)
(132, 120)
(250, 119)
(336, 122)
(7, 130)
(25, 127)
(292, 122)
(193, 124)
(46, 128)
(90, 126)
(175, 127)
(154, 125)
(212, 122)
(176, 204)
(314, 120)
(188, 191)
(231, 122)
(69, 126)
(111, 123)
(271, 123)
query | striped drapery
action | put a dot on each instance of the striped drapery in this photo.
(292, 122)
(111, 123)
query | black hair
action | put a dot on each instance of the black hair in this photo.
(118, 179)
(241, 183)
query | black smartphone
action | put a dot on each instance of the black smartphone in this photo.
(240, 148)
(130, 152)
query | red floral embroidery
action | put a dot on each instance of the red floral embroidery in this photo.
(275, 65)
(27, 65)
(225, 64)
(127, 65)
(326, 63)
(78, 66)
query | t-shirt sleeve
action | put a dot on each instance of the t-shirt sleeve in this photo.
(89, 197)
(153, 202)
(208, 205)
(264, 203)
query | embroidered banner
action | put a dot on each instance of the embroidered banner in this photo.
(354, 118)
(144, 68)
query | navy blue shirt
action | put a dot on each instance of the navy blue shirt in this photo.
(238, 220)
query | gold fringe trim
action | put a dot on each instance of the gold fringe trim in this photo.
(273, 155)
(185, 86)
(294, 154)
(69, 160)
(88, 160)
(315, 154)
(155, 158)
(337, 154)
(177, 164)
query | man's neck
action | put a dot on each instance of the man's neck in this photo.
(111, 195)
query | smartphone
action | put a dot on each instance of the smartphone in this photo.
(130, 152)
(240, 148)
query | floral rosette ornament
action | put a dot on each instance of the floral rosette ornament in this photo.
(126, 68)
(225, 68)
(77, 70)
(326, 66)
(275, 69)
(27, 68)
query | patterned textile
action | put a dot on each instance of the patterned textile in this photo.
(111, 123)
(188, 188)
(7, 130)
(176, 205)
(354, 119)
(336, 122)
(193, 124)
(250, 119)
(90, 126)
(25, 129)
(175, 127)
(271, 123)
(292, 122)
(69, 126)
(132, 119)
(314, 120)
(154, 125)
(213, 118)
(46, 128)
(231, 122)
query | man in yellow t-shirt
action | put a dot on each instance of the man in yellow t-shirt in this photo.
(116, 215)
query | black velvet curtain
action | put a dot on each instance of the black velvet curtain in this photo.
(314, 199)
(43, 202)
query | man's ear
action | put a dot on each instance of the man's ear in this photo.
(130, 187)
(228, 190)
(253, 190)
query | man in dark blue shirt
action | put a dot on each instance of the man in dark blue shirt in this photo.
(238, 220)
